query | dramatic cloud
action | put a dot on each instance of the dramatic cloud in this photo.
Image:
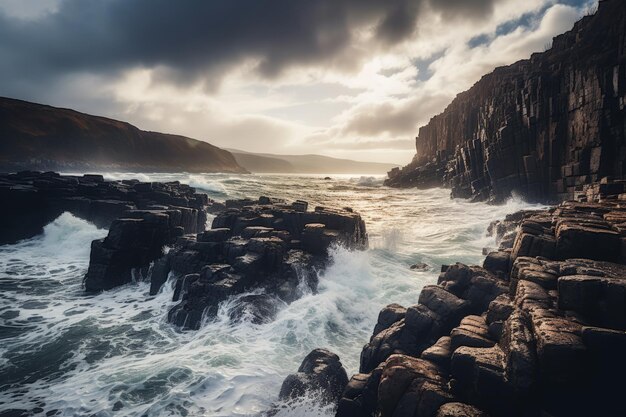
(342, 77)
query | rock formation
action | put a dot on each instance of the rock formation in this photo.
(320, 374)
(539, 330)
(542, 127)
(266, 245)
(35, 136)
(31, 199)
(141, 217)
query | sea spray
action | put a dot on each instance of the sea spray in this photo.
(64, 350)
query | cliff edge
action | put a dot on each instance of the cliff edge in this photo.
(542, 127)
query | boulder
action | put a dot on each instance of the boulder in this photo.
(601, 300)
(322, 373)
(593, 241)
(472, 332)
(398, 338)
(439, 353)
(388, 316)
(560, 350)
(498, 262)
(410, 386)
(445, 305)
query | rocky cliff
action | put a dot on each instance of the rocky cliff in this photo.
(34, 136)
(542, 127)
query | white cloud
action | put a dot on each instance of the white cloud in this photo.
(366, 104)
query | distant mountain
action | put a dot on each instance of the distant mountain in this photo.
(306, 164)
(36, 136)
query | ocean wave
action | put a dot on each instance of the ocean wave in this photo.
(90, 354)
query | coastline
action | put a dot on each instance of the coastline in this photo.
(535, 328)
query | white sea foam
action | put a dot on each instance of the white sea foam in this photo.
(86, 355)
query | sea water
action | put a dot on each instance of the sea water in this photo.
(66, 353)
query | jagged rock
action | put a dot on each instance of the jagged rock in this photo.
(448, 307)
(420, 266)
(518, 345)
(440, 352)
(559, 347)
(321, 373)
(474, 284)
(498, 262)
(472, 332)
(548, 355)
(595, 241)
(534, 270)
(256, 245)
(410, 386)
(388, 316)
(530, 244)
(530, 296)
(142, 218)
(398, 338)
(456, 278)
(360, 398)
(480, 379)
(499, 310)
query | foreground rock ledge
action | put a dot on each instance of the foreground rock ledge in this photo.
(539, 330)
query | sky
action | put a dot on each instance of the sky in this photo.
(344, 78)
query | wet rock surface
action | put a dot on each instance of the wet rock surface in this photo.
(321, 374)
(141, 217)
(542, 127)
(531, 333)
(268, 246)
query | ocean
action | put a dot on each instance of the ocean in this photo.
(66, 353)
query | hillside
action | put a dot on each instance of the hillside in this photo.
(542, 127)
(35, 136)
(306, 164)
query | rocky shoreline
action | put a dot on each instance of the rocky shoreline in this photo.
(158, 231)
(542, 127)
(538, 330)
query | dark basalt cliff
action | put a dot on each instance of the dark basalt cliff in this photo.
(542, 127)
(35, 136)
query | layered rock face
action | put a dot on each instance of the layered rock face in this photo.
(538, 330)
(541, 127)
(269, 246)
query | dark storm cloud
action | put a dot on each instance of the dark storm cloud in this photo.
(201, 40)
(464, 8)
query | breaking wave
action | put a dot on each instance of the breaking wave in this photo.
(115, 352)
